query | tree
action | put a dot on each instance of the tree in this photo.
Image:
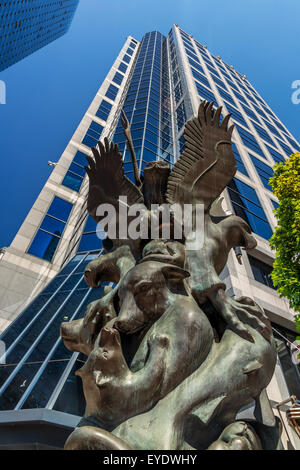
(286, 238)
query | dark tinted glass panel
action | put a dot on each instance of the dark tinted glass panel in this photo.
(90, 225)
(236, 114)
(205, 93)
(287, 150)
(239, 162)
(78, 169)
(46, 384)
(200, 78)
(261, 271)
(112, 92)
(127, 58)
(72, 181)
(80, 158)
(90, 241)
(265, 172)
(123, 67)
(275, 155)
(72, 388)
(52, 225)
(18, 386)
(247, 205)
(96, 127)
(60, 208)
(118, 78)
(44, 245)
(287, 353)
(248, 139)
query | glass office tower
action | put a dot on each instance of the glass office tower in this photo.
(159, 83)
(26, 26)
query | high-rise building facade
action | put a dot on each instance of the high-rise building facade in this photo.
(29, 25)
(159, 83)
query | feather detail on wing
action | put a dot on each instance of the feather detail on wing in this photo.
(107, 181)
(207, 164)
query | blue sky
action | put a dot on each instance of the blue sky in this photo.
(48, 92)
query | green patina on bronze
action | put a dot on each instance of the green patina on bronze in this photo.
(171, 358)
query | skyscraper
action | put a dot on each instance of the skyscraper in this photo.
(30, 25)
(159, 83)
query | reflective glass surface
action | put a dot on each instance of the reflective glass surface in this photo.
(44, 371)
(247, 205)
(51, 229)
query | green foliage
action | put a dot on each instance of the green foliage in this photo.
(286, 238)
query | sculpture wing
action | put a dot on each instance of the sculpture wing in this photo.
(107, 181)
(207, 164)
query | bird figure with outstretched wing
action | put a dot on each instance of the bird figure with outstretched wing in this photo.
(207, 164)
(203, 171)
(107, 179)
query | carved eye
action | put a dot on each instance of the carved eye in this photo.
(143, 289)
(105, 354)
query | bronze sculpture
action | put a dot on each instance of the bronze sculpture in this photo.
(171, 358)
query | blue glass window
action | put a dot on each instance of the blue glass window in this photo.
(262, 133)
(181, 116)
(60, 209)
(205, 93)
(127, 58)
(112, 92)
(190, 54)
(80, 159)
(272, 128)
(132, 44)
(92, 236)
(44, 245)
(261, 271)
(118, 78)
(51, 229)
(240, 98)
(104, 110)
(236, 115)
(247, 206)
(265, 172)
(129, 51)
(178, 92)
(225, 95)
(218, 81)
(72, 181)
(239, 162)
(93, 134)
(293, 143)
(52, 225)
(189, 47)
(250, 113)
(200, 78)
(287, 150)
(76, 172)
(277, 157)
(122, 67)
(248, 139)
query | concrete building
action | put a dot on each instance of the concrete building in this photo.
(159, 83)
(29, 25)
